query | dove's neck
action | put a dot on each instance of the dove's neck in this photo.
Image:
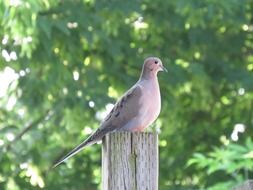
(147, 74)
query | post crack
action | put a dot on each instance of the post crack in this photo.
(134, 160)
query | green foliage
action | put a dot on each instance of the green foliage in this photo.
(63, 61)
(233, 160)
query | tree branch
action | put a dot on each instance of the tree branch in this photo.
(28, 127)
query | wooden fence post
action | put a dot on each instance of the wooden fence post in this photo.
(248, 185)
(130, 161)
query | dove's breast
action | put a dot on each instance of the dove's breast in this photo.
(150, 103)
(148, 106)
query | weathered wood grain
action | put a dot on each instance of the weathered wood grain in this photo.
(130, 161)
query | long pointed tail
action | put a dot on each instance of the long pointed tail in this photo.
(95, 137)
(74, 151)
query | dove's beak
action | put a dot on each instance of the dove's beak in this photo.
(164, 69)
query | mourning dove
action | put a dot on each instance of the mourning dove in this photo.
(134, 111)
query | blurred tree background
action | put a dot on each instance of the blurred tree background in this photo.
(63, 62)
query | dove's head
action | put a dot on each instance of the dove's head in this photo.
(151, 66)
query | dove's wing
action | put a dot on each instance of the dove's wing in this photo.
(126, 109)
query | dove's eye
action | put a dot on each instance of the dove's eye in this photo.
(156, 61)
